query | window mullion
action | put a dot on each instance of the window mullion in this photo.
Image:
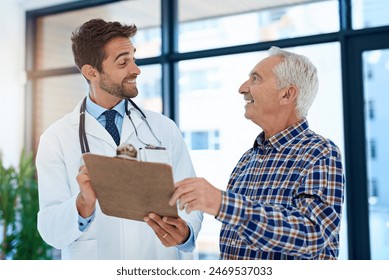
(169, 25)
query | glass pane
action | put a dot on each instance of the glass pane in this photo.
(150, 88)
(369, 13)
(376, 73)
(222, 23)
(54, 32)
(209, 101)
(57, 96)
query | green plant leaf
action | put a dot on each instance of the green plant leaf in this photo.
(19, 207)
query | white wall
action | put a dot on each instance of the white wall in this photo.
(12, 79)
(12, 74)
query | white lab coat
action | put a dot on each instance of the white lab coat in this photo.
(58, 160)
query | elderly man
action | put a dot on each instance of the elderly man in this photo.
(284, 197)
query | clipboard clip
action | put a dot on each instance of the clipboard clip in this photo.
(152, 147)
(127, 151)
(149, 153)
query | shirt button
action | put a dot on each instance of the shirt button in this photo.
(233, 242)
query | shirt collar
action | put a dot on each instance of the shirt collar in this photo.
(283, 137)
(96, 110)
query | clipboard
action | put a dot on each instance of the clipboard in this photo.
(131, 189)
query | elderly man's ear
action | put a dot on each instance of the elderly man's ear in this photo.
(288, 95)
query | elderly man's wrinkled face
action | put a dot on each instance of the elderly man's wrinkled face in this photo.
(260, 91)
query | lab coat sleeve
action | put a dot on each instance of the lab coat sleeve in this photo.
(58, 216)
(183, 168)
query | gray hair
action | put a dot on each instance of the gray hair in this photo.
(299, 71)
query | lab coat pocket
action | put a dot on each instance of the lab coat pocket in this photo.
(81, 250)
(155, 154)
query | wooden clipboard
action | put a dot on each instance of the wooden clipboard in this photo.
(131, 189)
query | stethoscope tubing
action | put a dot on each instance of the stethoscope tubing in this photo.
(82, 134)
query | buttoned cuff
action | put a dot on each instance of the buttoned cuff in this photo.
(189, 245)
(232, 209)
(83, 223)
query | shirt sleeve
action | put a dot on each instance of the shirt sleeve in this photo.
(302, 228)
(189, 245)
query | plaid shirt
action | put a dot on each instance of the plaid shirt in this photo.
(284, 199)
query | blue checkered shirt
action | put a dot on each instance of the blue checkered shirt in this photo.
(284, 199)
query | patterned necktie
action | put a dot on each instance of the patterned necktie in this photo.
(110, 125)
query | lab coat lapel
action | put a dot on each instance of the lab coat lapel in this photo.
(128, 128)
(92, 127)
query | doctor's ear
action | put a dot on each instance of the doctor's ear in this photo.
(89, 72)
(289, 95)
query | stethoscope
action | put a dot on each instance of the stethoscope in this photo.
(81, 130)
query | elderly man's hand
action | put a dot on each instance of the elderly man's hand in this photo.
(197, 194)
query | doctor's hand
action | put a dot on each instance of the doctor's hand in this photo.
(171, 231)
(197, 194)
(86, 199)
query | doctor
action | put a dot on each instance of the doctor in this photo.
(70, 218)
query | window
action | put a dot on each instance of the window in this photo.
(377, 61)
(369, 13)
(202, 140)
(149, 87)
(54, 31)
(229, 23)
(199, 79)
(55, 97)
(57, 94)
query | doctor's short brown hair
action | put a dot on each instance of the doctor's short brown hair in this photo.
(89, 40)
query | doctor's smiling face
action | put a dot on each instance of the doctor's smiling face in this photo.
(104, 54)
(119, 70)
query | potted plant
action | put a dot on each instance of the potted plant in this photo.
(18, 212)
